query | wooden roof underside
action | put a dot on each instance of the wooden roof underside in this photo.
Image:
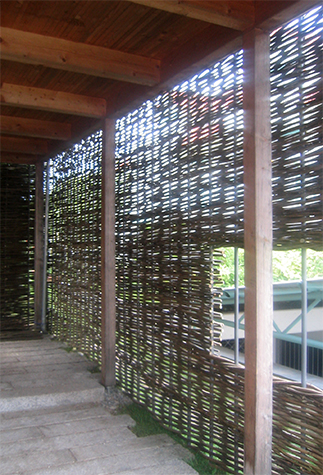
(66, 65)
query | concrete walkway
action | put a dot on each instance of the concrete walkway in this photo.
(53, 420)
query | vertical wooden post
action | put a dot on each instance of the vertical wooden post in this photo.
(258, 255)
(39, 242)
(108, 256)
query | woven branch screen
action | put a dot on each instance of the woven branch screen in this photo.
(296, 104)
(179, 192)
(17, 246)
(75, 246)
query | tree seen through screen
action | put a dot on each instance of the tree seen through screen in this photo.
(286, 265)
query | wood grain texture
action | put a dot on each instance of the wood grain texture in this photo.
(108, 299)
(39, 242)
(34, 128)
(53, 101)
(22, 158)
(31, 48)
(236, 15)
(24, 145)
(258, 250)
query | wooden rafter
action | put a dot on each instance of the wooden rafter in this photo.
(237, 15)
(22, 158)
(31, 48)
(270, 15)
(53, 101)
(24, 145)
(34, 128)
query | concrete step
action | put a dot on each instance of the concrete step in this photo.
(84, 439)
(12, 403)
(40, 374)
(56, 419)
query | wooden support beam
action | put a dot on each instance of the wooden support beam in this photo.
(52, 101)
(23, 145)
(258, 252)
(39, 242)
(31, 48)
(273, 14)
(237, 15)
(34, 128)
(108, 299)
(7, 157)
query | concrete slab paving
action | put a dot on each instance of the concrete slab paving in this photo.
(53, 420)
(39, 373)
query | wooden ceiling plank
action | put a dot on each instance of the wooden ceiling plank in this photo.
(237, 15)
(34, 128)
(24, 145)
(52, 101)
(22, 158)
(57, 53)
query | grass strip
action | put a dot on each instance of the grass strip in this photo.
(146, 425)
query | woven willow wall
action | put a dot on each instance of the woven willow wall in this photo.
(296, 104)
(75, 248)
(17, 241)
(179, 192)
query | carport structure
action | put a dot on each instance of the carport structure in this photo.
(71, 68)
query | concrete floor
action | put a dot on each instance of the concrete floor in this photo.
(54, 421)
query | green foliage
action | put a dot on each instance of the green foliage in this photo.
(95, 369)
(314, 264)
(203, 466)
(68, 349)
(287, 265)
(146, 425)
(227, 266)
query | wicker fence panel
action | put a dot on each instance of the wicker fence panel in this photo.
(296, 104)
(172, 182)
(75, 247)
(297, 429)
(167, 193)
(17, 246)
(179, 192)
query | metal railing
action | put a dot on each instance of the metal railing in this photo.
(304, 295)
